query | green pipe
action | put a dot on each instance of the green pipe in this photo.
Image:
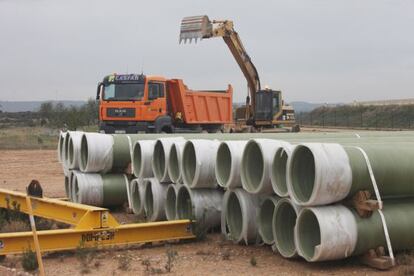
(264, 219)
(321, 173)
(336, 232)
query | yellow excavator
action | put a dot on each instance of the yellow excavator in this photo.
(264, 108)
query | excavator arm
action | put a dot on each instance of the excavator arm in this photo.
(200, 27)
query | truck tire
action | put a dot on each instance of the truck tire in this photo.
(163, 124)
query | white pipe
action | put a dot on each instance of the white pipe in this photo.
(241, 216)
(257, 165)
(141, 158)
(171, 201)
(174, 162)
(198, 163)
(137, 195)
(74, 146)
(318, 174)
(88, 188)
(202, 205)
(160, 157)
(326, 233)
(283, 227)
(265, 216)
(228, 164)
(278, 172)
(97, 152)
(154, 199)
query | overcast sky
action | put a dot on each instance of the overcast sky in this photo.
(313, 50)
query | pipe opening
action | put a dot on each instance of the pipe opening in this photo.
(149, 200)
(173, 164)
(75, 189)
(66, 146)
(137, 162)
(84, 153)
(189, 163)
(67, 188)
(265, 220)
(308, 233)
(71, 151)
(302, 173)
(159, 160)
(252, 166)
(234, 216)
(184, 204)
(223, 164)
(136, 195)
(284, 221)
(170, 203)
(278, 174)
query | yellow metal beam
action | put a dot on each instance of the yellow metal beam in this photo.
(66, 239)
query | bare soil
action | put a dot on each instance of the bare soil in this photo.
(213, 256)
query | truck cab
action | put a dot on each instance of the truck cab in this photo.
(131, 103)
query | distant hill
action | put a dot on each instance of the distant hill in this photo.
(305, 106)
(19, 106)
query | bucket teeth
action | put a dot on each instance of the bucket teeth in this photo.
(195, 27)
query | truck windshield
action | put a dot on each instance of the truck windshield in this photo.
(123, 92)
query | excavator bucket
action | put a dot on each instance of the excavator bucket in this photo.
(195, 27)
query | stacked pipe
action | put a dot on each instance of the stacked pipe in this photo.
(287, 190)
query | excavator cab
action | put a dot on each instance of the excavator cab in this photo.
(268, 105)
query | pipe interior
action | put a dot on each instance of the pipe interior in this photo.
(234, 216)
(173, 163)
(67, 188)
(76, 189)
(159, 160)
(265, 219)
(184, 204)
(302, 173)
(66, 144)
(223, 164)
(253, 165)
(149, 200)
(308, 233)
(84, 152)
(189, 162)
(279, 170)
(170, 203)
(136, 196)
(137, 155)
(284, 225)
(71, 151)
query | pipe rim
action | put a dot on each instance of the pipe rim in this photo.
(184, 206)
(148, 199)
(224, 165)
(307, 234)
(235, 220)
(137, 159)
(252, 167)
(137, 204)
(174, 164)
(84, 153)
(159, 161)
(278, 173)
(189, 162)
(301, 174)
(171, 202)
(265, 216)
(283, 227)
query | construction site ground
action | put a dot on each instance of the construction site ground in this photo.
(212, 256)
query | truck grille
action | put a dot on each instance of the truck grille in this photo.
(120, 112)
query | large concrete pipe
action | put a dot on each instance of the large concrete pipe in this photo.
(228, 163)
(142, 157)
(283, 226)
(336, 232)
(256, 165)
(137, 196)
(103, 190)
(174, 162)
(73, 150)
(160, 157)
(241, 216)
(322, 173)
(264, 219)
(171, 201)
(154, 199)
(201, 205)
(198, 162)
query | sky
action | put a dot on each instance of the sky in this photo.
(313, 50)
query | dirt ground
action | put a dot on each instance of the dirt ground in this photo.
(213, 256)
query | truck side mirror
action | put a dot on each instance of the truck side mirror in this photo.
(98, 90)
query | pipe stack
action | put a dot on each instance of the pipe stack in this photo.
(289, 191)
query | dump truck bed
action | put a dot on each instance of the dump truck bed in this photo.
(200, 107)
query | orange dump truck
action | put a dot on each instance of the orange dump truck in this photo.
(134, 103)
